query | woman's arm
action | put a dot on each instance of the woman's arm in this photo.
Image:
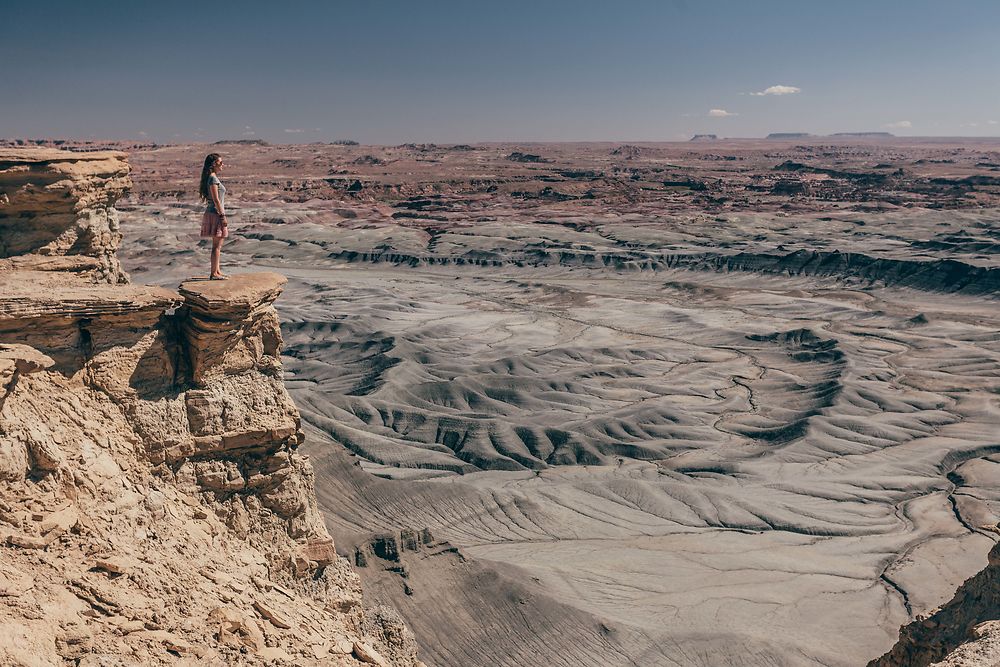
(213, 190)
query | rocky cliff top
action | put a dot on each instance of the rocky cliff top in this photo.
(242, 293)
(154, 507)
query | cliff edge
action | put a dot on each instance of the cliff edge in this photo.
(964, 632)
(154, 508)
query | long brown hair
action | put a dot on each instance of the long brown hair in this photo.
(210, 161)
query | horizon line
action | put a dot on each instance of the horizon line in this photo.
(804, 136)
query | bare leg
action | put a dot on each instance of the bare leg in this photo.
(216, 257)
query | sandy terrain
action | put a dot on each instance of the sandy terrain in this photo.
(686, 404)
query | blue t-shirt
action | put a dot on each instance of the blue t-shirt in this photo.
(214, 180)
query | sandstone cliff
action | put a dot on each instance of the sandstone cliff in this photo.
(57, 211)
(154, 508)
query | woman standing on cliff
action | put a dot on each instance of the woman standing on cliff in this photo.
(213, 223)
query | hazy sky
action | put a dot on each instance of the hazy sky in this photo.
(450, 71)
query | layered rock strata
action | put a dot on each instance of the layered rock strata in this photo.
(57, 211)
(154, 507)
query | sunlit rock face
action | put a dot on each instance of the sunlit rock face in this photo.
(154, 505)
(57, 211)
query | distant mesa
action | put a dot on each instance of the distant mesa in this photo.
(865, 135)
(789, 135)
(344, 142)
(704, 137)
(841, 135)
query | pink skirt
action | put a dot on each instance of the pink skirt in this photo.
(212, 226)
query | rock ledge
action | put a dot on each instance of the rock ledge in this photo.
(154, 506)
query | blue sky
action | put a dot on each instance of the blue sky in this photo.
(389, 72)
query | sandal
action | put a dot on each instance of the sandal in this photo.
(218, 277)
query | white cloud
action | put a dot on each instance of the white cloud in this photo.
(720, 113)
(294, 130)
(899, 125)
(991, 122)
(143, 133)
(778, 90)
(249, 134)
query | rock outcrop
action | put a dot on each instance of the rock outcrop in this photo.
(965, 632)
(154, 508)
(57, 211)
